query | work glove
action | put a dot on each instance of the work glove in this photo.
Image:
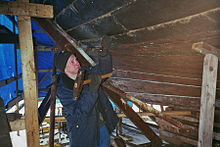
(95, 82)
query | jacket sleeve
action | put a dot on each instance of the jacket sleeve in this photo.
(76, 109)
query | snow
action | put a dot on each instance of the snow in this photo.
(18, 141)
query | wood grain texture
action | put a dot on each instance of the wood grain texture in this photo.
(207, 108)
(30, 87)
(26, 9)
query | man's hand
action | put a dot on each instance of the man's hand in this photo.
(95, 82)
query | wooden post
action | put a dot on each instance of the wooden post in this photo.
(53, 106)
(25, 10)
(16, 69)
(30, 88)
(207, 107)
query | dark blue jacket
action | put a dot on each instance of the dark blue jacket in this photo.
(82, 115)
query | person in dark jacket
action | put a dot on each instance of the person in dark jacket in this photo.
(90, 119)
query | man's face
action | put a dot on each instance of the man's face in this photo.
(72, 67)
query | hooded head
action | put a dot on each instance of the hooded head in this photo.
(61, 60)
(67, 63)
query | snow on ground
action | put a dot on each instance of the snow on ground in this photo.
(18, 141)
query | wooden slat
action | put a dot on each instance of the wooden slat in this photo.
(171, 113)
(7, 81)
(118, 98)
(208, 100)
(26, 9)
(17, 124)
(205, 48)
(14, 101)
(29, 81)
(64, 41)
(175, 138)
(192, 103)
(45, 70)
(155, 87)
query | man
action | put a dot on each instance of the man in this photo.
(90, 119)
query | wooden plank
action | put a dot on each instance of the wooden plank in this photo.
(26, 9)
(205, 48)
(208, 100)
(192, 131)
(175, 138)
(118, 98)
(45, 70)
(156, 77)
(7, 81)
(17, 124)
(52, 107)
(64, 41)
(170, 113)
(29, 81)
(14, 101)
(155, 87)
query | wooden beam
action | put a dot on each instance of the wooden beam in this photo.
(7, 81)
(64, 41)
(207, 100)
(26, 9)
(192, 103)
(14, 101)
(117, 97)
(45, 70)
(170, 113)
(176, 138)
(205, 48)
(29, 81)
(141, 114)
(23, 9)
(17, 124)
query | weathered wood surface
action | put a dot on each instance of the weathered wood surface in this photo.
(17, 124)
(118, 98)
(121, 21)
(30, 88)
(163, 71)
(23, 9)
(26, 9)
(208, 100)
(64, 41)
(53, 106)
(205, 48)
(176, 139)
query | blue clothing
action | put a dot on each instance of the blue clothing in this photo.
(83, 115)
(104, 137)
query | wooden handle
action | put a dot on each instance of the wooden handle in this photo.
(102, 77)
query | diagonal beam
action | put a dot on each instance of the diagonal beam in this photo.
(118, 99)
(64, 41)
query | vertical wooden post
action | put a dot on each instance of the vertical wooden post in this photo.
(53, 106)
(29, 81)
(16, 69)
(207, 107)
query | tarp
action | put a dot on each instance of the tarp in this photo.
(7, 61)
